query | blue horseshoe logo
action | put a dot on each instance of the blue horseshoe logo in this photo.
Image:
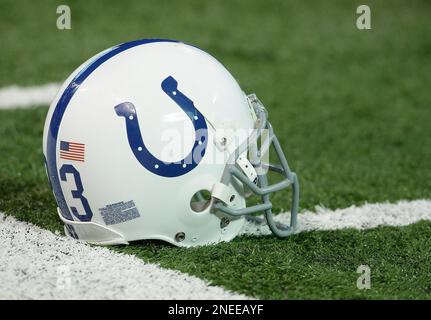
(144, 156)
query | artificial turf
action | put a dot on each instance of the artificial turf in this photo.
(351, 108)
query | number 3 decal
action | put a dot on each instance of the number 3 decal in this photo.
(77, 194)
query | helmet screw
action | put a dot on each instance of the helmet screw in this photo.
(180, 236)
(224, 222)
(223, 141)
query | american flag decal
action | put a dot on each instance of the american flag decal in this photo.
(72, 151)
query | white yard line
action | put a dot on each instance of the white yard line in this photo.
(358, 217)
(25, 97)
(37, 264)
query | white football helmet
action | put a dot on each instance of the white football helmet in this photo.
(154, 139)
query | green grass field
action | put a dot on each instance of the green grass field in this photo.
(351, 108)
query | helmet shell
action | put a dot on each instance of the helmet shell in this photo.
(104, 194)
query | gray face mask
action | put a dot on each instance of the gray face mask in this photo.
(259, 185)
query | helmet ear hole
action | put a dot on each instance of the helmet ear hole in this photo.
(200, 201)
